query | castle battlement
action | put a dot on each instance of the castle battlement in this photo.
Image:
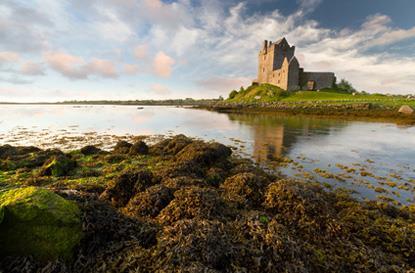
(278, 65)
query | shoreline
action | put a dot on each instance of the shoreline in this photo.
(186, 205)
(359, 111)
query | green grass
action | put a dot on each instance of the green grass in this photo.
(271, 93)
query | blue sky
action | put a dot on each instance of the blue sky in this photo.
(139, 49)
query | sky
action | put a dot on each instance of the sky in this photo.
(157, 49)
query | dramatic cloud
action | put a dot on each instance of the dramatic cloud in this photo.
(163, 64)
(210, 45)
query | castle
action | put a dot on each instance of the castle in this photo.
(277, 65)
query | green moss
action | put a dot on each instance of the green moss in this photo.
(38, 222)
(58, 166)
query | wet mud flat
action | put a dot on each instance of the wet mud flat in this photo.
(185, 205)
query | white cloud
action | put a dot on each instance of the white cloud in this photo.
(33, 69)
(103, 68)
(9, 56)
(162, 64)
(141, 51)
(76, 67)
(131, 69)
(213, 44)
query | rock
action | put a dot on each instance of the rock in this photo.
(38, 222)
(195, 202)
(139, 148)
(59, 165)
(11, 151)
(149, 202)
(203, 154)
(12, 158)
(406, 109)
(90, 150)
(203, 241)
(245, 188)
(122, 147)
(170, 146)
(125, 186)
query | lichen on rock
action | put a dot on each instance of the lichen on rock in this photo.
(38, 222)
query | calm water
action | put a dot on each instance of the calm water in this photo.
(384, 153)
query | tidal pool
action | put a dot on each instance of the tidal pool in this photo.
(376, 160)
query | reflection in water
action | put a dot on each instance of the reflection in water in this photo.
(384, 150)
(274, 135)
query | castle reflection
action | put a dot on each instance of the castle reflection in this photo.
(273, 135)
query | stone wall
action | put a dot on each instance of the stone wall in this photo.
(321, 79)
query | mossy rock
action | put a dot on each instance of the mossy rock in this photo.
(35, 221)
(58, 166)
(139, 148)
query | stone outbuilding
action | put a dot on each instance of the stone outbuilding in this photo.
(278, 65)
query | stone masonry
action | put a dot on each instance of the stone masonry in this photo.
(277, 65)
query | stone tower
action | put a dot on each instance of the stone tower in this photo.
(277, 65)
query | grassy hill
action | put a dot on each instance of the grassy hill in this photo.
(271, 93)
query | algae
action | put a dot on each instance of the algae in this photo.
(192, 206)
(38, 222)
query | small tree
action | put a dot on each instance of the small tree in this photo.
(345, 86)
(233, 94)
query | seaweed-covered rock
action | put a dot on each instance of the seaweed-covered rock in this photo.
(192, 202)
(245, 188)
(125, 186)
(90, 150)
(149, 202)
(11, 151)
(200, 153)
(307, 206)
(266, 245)
(139, 148)
(179, 182)
(60, 165)
(38, 222)
(122, 147)
(12, 158)
(170, 146)
(194, 241)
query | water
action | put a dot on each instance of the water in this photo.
(374, 159)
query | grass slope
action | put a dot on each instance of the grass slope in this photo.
(271, 93)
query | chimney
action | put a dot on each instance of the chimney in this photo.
(265, 46)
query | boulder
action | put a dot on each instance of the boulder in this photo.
(59, 165)
(124, 187)
(35, 221)
(406, 109)
(170, 146)
(122, 147)
(139, 148)
(90, 150)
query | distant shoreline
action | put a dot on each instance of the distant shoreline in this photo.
(178, 102)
